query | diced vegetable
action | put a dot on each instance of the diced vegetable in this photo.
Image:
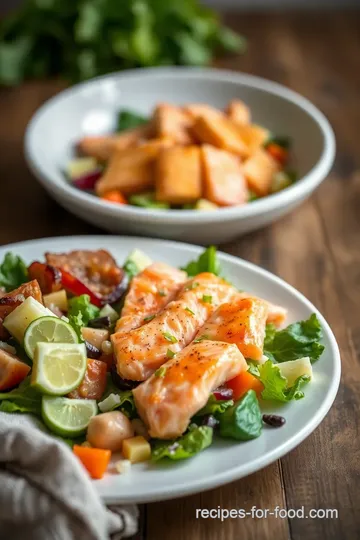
(93, 383)
(277, 152)
(109, 430)
(136, 449)
(108, 311)
(95, 336)
(114, 196)
(12, 370)
(88, 181)
(244, 382)
(242, 421)
(259, 171)
(294, 369)
(279, 140)
(18, 321)
(81, 167)
(205, 205)
(136, 262)
(58, 299)
(178, 175)
(280, 181)
(95, 460)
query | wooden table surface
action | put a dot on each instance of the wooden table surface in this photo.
(316, 249)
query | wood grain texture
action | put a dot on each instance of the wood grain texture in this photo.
(316, 249)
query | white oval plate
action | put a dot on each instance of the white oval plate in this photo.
(224, 461)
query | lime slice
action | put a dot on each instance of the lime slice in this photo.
(48, 330)
(67, 417)
(58, 368)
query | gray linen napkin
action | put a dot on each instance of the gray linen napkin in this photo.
(45, 494)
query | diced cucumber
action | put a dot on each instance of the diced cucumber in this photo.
(136, 262)
(80, 166)
(19, 319)
(108, 311)
(294, 369)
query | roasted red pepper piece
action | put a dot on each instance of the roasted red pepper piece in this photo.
(48, 277)
(77, 287)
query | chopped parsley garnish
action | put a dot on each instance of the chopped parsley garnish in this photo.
(207, 298)
(160, 372)
(162, 293)
(170, 353)
(201, 338)
(149, 318)
(169, 337)
(189, 311)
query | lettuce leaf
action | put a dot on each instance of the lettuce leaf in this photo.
(23, 399)
(196, 439)
(215, 406)
(129, 120)
(207, 262)
(13, 272)
(275, 385)
(242, 421)
(295, 341)
(80, 312)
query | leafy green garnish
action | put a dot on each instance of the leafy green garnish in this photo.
(169, 337)
(79, 39)
(149, 318)
(130, 268)
(242, 421)
(295, 341)
(252, 196)
(147, 200)
(170, 354)
(161, 293)
(196, 439)
(13, 272)
(81, 304)
(215, 406)
(275, 385)
(189, 311)
(129, 119)
(207, 298)
(160, 372)
(201, 338)
(23, 399)
(207, 262)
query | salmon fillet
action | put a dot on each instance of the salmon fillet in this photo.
(143, 350)
(148, 294)
(167, 401)
(243, 322)
(276, 314)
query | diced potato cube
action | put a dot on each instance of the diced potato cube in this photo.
(174, 122)
(238, 112)
(95, 336)
(56, 299)
(223, 177)
(259, 170)
(254, 136)
(220, 132)
(131, 170)
(102, 147)
(178, 175)
(136, 449)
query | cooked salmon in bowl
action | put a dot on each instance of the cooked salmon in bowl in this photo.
(169, 152)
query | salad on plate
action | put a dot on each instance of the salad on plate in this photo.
(191, 157)
(144, 360)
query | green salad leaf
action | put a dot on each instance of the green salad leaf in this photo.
(207, 262)
(13, 272)
(215, 406)
(295, 341)
(129, 119)
(147, 200)
(23, 399)
(281, 140)
(275, 384)
(80, 312)
(242, 421)
(196, 439)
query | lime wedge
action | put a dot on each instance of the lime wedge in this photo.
(48, 330)
(67, 417)
(58, 368)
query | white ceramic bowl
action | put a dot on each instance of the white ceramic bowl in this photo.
(91, 107)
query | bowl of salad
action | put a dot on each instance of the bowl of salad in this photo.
(170, 151)
(154, 367)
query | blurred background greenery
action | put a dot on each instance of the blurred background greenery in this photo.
(79, 39)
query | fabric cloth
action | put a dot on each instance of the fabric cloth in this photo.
(45, 493)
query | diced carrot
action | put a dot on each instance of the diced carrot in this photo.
(278, 152)
(114, 196)
(244, 382)
(95, 460)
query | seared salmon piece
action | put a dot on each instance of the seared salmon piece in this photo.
(102, 147)
(243, 322)
(259, 171)
(201, 109)
(94, 382)
(11, 300)
(220, 132)
(178, 175)
(254, 136)
(12, 370)
(167, 401)
(148, 294)
(238, 112)
(173, 122)
(140, 352)
(131, 171)
(224, 181)
(276, 314)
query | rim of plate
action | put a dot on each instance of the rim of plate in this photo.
(244, 469)
(303, 186)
